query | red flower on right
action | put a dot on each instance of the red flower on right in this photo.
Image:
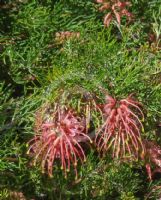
(121, 128)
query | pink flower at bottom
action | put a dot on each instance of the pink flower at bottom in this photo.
(59, 138)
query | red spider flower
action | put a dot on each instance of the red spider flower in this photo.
(116, 9)
(153, 156)
(58, 137)
(121, 129)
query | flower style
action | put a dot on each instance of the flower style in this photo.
(117, 10)
(121, 129)
(59, 133)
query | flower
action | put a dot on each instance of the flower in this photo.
(153, 156)
(116, 9)
(121, 128)
(59, 133)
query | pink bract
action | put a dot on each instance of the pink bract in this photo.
(121, 129)
(58, 138)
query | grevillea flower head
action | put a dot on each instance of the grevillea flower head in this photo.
(59, 132)
(153, 157)
(121, 128)
(116, 9)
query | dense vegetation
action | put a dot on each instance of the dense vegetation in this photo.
(94, 68)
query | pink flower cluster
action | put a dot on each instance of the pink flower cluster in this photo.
(116, 8)
(58, 138)
(121, 128)
(61, 134)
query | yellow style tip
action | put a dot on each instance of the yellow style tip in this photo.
(50, 176)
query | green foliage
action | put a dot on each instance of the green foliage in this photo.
(105, 179)
(36, 69)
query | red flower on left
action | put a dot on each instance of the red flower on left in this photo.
(59, 133)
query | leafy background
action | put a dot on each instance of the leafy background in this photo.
(34, 68)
